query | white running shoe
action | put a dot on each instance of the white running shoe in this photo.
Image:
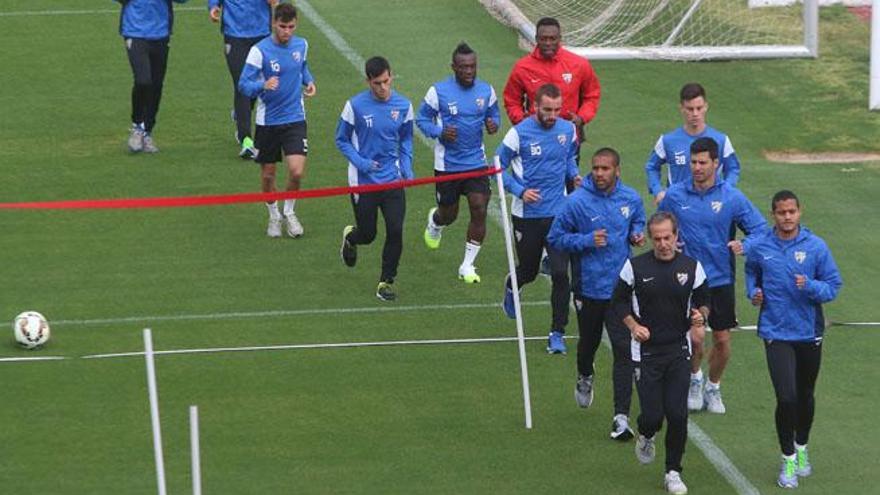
(468, 274)
(274, 228)
(583, 391)
(294, 228)
(136, 139)
(645, 449)
(149, 144)
(433, 234)
(673, 483)
(620, 429)
(695, 395)
(714, 404)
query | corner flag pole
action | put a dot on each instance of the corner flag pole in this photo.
(154, 410)
(521, 340)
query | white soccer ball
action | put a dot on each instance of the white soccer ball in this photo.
(31, 329)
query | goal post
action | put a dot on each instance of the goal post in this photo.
(671, 29)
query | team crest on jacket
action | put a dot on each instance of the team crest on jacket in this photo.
(481, 102)
(453, 107)
(562, 138)
(800, 256)
(682, 278)
(296, 56)
(624, 210)
(566, 77)
(716, 206)
(395, 114)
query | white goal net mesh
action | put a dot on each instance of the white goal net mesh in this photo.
(656, 25)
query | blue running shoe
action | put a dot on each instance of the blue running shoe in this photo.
(556, 343)
(508, 306)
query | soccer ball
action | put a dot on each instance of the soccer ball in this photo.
(31, 329)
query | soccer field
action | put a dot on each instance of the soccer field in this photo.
(397, 418)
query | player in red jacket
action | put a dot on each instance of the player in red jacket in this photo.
(550, 63)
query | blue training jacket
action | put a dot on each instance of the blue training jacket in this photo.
(146, 19)
(674, 149)
(588, 209)
(537, 158)
(466, 108)
(244, 18)
(290, 64)
(705, 219)
(789, 313)
(376, 138)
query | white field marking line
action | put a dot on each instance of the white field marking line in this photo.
(280, 313)
(338, 345)
(41, 358)
(31, 13)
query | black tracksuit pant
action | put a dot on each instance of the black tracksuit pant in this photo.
(662, 380)
(592, 316)
(794, 368)
(236, 50)
(148, 60)
(531, 240)
(366, 212)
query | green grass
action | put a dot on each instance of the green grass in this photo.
(435, 419)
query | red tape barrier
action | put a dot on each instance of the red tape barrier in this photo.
(225, 199)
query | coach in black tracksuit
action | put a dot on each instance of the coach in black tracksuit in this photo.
(659, 296)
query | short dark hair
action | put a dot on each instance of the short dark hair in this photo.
(551, 90)
(547, 21)
(462, 49)
(615, 156)
(284, 12)
(690, 91)
(660, 217)
(784, 195)
(376, 66)
(703, 145)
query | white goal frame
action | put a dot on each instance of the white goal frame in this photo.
(809, 49)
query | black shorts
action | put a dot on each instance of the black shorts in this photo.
(271, 140)
(722, 307)
(449, 192)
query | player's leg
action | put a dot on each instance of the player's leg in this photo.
(295, 146)
(236, 51)
(478, 194)
(365, 207)
(722, 317)
(158, 50)
(808, 356)
(560, 292)
(622, 376)
(393, 212)
(267, 139)
(781, 362)
(676, 382)
(649, 386)
(695, 393)
(528, 239)
(446, 194)
(139, 60)
(590, 316)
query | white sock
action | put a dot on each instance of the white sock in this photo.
(273, 210)
(433, 227)
(791, 457)
(289, 205)
(798, 446)
(713, 386)
(697, 376)
(471, 250)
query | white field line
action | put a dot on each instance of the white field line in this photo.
(38, 358)
(283, 313)
(33, 13)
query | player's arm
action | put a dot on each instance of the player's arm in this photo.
(493, 114)
(428, 112)
(637, 223)
(653, 167)
(252, 83)
(571, 170)
(826, 283)
(730, 162)
(564, 234)
(504, 155)
(700, 294)
(750, 221)
(344, 132)
(405, 140)
(590, 92)
(308, 80)
(754, 280)
(621, 304)
(214, 10)
(513, 97)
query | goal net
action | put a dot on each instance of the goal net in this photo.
(672, 29)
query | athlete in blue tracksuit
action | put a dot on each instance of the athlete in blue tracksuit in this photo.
(454, 112)
(790, 273)
(243, 23)
(673, 148)
(707, 209)
(277, 74)
(375, 133)
(538, 157)
(145, 25)
(597, 225)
